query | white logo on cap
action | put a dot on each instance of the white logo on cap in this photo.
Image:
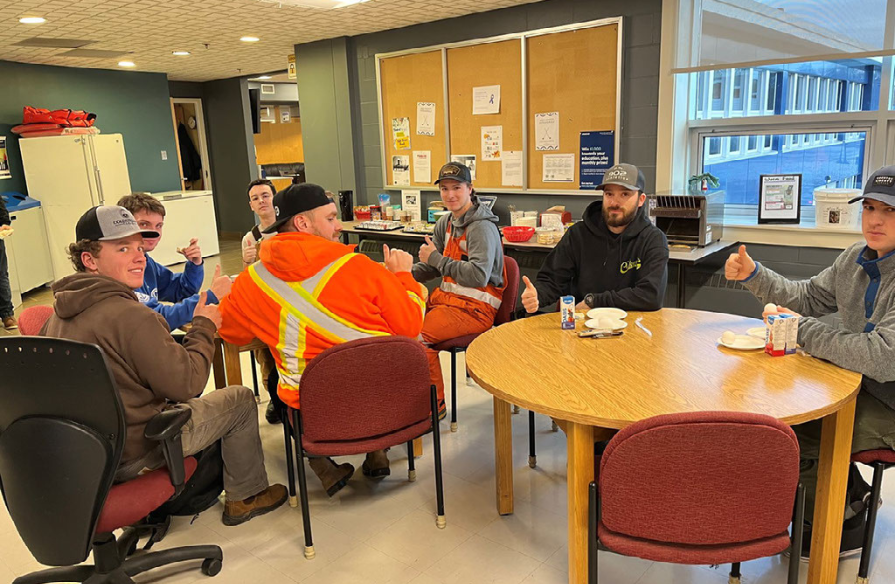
(617, 173)
(886, 181)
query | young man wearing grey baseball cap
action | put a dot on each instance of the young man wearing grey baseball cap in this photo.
(860, 286)
(614, 257)
(152, 371)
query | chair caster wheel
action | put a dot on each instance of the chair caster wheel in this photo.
(453, 426)
(411, 475)
(211, 566)
(310, 554)
(554, 427)
(532, 461)
(440, 522)
(516, 409)
(293, 501)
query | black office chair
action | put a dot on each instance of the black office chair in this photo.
(61, 436)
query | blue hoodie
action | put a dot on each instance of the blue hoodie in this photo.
(161, 284)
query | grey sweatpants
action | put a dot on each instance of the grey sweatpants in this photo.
(874, 429)
(231, 416)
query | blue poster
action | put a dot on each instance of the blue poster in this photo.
(597, 156)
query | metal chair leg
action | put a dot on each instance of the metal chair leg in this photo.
(254, 378)
(303, 485)
(411, 470)
(453, 390)
(735, 575)
(798, 532)
(592, 534)
(532, 455)
(875, 491)
(439, 482)
(290, 461)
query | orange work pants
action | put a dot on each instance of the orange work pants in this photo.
(455, 318)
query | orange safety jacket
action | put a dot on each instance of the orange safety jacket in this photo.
(486, 299)
(307, 294)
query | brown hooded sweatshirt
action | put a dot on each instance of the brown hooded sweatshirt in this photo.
(149, 366)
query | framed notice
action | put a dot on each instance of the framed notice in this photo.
(779, 198)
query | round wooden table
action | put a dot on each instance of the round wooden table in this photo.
(593, 386)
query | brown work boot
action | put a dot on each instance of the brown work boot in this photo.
(376, 465)
(333, 476)
(9, 322)
(236, 512)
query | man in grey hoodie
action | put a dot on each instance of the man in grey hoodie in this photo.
(466, 252)
(860, 286)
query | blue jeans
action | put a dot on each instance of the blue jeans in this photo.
(5, 290)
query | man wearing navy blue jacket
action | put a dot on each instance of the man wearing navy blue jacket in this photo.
(161, 284)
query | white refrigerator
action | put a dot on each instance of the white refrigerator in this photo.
(68, 175)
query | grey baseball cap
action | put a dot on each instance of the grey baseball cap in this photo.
(109, 222)
(624, 175)
(880, 186)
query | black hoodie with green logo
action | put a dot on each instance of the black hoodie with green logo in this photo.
(627, 271)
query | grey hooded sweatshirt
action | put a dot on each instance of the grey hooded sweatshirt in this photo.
(482, 263)
(860, 286)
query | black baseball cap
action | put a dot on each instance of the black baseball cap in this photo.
(107, 223)
(296, 199)
(624, 175)
(880, 186)
(454, 171)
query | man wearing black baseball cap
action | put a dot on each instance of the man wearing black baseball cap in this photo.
(614, 257)
(309, 293)
(151, 370)
(860, 287)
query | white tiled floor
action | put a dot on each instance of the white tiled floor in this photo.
(384, 532)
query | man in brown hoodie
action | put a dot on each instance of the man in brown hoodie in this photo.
(153, 372)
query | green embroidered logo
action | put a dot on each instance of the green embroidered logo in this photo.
(628, 266)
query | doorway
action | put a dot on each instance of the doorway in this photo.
(192, 144)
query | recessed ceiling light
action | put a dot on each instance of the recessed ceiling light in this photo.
(180, 53)
(249, 39)
(126, 64)
(345, 3)
(32, 20)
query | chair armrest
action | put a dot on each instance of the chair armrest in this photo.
(165, 427)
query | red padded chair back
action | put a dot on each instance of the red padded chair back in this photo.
(510, 293)
(707, 478)
(364, 390)
(33, 318)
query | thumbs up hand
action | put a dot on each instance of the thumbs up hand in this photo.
(426, 250)
(739, 266)
(529, 296)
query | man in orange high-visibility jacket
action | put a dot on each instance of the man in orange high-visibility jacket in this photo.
(466, 251)
(309, 292)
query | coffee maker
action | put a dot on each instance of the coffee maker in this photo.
(345, 205)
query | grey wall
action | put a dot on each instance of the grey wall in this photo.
(133, 104)
(228, 124)
(640, 87)
(283, 92)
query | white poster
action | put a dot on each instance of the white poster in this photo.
(547, 131)
(401, 170)
(425, 119)
(468, 160)
(4, 160)
(285, 114)
(511, 168)
(559, 167)
(401, 133)
(410, 201)
(422, 166)
(486, 100)
(492, 142)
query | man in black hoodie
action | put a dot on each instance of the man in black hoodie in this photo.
(614, 257)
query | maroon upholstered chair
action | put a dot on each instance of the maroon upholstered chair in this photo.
(33, 318)
(61, 436)
(880, 460)
(460, 344)
(343, 413)
(699, 488)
